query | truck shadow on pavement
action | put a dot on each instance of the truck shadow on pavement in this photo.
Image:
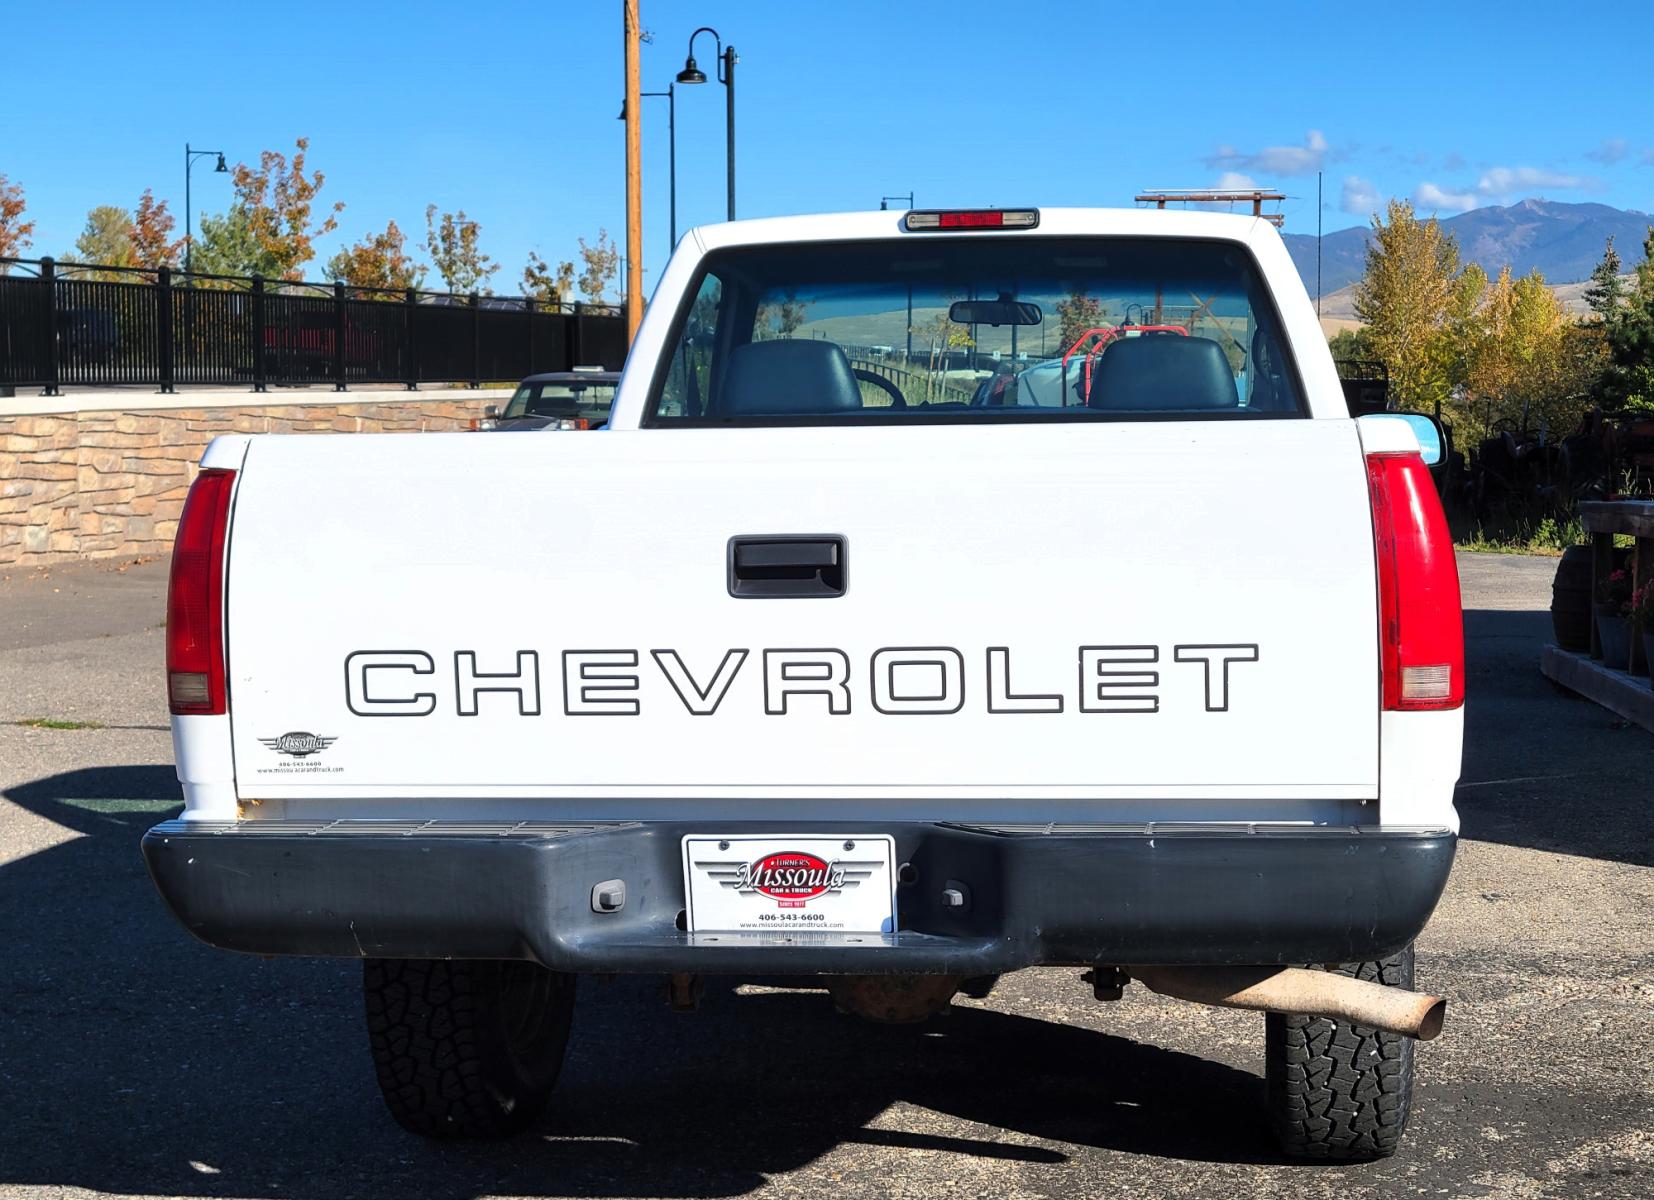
(1545, 769)
(140, 1061)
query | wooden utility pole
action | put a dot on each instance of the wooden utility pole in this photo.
(634, 175)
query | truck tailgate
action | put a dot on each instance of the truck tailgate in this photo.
(1078, 611)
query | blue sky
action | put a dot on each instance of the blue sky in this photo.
(507, 110)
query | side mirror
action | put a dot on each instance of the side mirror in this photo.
(490, 411)
(1432, 444)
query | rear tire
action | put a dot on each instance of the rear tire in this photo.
(1338, 1091)
(466, 1049)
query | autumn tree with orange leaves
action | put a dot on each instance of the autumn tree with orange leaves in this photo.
(278, 200)
(152, 242)
(271, 228)
(16, 234)
(378, 261)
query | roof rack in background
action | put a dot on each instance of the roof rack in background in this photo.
(1256, 197)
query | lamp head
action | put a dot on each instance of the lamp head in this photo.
(691, 73)
(220, 167)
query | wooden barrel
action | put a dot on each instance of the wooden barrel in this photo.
(1571, 599)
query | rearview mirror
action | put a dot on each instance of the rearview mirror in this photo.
(1003, 311)
(1425, 429)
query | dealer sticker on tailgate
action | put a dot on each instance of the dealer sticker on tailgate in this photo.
(769, 882)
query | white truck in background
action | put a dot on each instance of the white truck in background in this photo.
(812, 665)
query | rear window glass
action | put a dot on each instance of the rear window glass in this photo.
(959, 329)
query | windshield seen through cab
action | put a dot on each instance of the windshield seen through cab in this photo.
(572, 398)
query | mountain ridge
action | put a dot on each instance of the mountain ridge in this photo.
(1563, 241)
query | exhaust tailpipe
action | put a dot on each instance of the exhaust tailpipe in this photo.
(1298, 990)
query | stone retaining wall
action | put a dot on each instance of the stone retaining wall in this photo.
(112, 484)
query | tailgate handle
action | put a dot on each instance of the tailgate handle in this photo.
(786, 566)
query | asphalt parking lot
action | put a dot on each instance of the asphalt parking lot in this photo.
(136, 1062)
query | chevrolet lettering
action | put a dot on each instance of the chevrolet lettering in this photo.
(388, 683)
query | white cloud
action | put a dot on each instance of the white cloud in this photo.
(1499, 182)
(1360, 196)
(1611, 151)
(1434, 198)
(1234, 181)
(1276, 160)
(1497, 186)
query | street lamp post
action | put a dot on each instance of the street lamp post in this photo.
(189, 162)
(726, 76)
(671, 95)
(884, 201)
(672, 157)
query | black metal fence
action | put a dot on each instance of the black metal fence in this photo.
(77, 325)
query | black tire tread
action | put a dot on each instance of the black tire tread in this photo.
(1338, 1091)
(440, 1051)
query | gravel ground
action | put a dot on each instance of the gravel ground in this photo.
(136, 1062)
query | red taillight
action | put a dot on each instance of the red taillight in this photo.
(195, 599)
(1421, 625)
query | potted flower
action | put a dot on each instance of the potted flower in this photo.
(1642, 620)
(1613, 615)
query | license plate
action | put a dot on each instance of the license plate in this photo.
(770, 882)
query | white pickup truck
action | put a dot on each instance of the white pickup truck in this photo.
(823, 662)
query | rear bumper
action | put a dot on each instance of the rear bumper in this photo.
(1044, 894)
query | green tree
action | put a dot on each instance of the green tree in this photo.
(600, 263)
(105, 241)
(452, 243)
(379, 261)
(225, 245)
(1463, 329)
(1351, 344)
(1517, 365)
(1628, 378)
(1519, 357)
(1607, 290)
(1404, 298)
(542, 282)
(1589, 344)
